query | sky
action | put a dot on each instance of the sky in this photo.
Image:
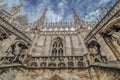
(60, 10)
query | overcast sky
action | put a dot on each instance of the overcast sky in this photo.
(60, 10)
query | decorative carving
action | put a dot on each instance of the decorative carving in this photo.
(71, 64)
(80, 64)
(34, 64)
(3, 36)
(52, 65)
(94, 46)
(61, 65)
(43, 64)
(56, 77)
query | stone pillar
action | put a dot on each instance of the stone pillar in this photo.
(106, 49)
(32, 45)
(85, 50)
(68, 46)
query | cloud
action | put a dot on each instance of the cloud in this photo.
(59, 10)
(56, 15)
(34, 11)
(69, 18)
(104, 1)
(10, 3)
(51, 16)
(92, 16)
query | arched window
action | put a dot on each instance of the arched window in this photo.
(54, 52)
(57, 47)
(60, 52)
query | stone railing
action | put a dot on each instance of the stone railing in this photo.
(101, 24)
(57, 32)
(51, 62)
(48, 62)
(57, 62)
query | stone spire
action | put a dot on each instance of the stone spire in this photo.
(41, 20)
(1, 7)
(77, 21)
(14, 11)
(104, 11)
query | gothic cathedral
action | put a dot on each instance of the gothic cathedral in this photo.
(60, 50)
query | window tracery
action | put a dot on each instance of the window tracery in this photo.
(57, 47)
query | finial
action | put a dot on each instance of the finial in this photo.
(111, 5)
(104, 11)
(15, 10)
(21, 5)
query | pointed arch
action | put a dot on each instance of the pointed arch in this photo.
(54, 52)
(60, 52)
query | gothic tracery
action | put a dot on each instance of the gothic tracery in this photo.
(76, 50)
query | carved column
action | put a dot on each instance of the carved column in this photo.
(31, 47)
(85, 51)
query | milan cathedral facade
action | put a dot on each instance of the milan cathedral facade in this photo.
(76, 50)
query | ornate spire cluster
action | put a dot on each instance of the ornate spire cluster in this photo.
(77, 21)
(14, 11)
(37, 25)
(59, 26)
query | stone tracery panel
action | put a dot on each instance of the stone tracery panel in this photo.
(57, 47)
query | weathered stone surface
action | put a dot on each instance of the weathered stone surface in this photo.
(61, 51)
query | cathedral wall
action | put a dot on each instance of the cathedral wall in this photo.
(47, 45)
(38, 49)
(68, 45)
(76, 46)
(43, 46)
(83, 49)
(72, 45)
(84, 33)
